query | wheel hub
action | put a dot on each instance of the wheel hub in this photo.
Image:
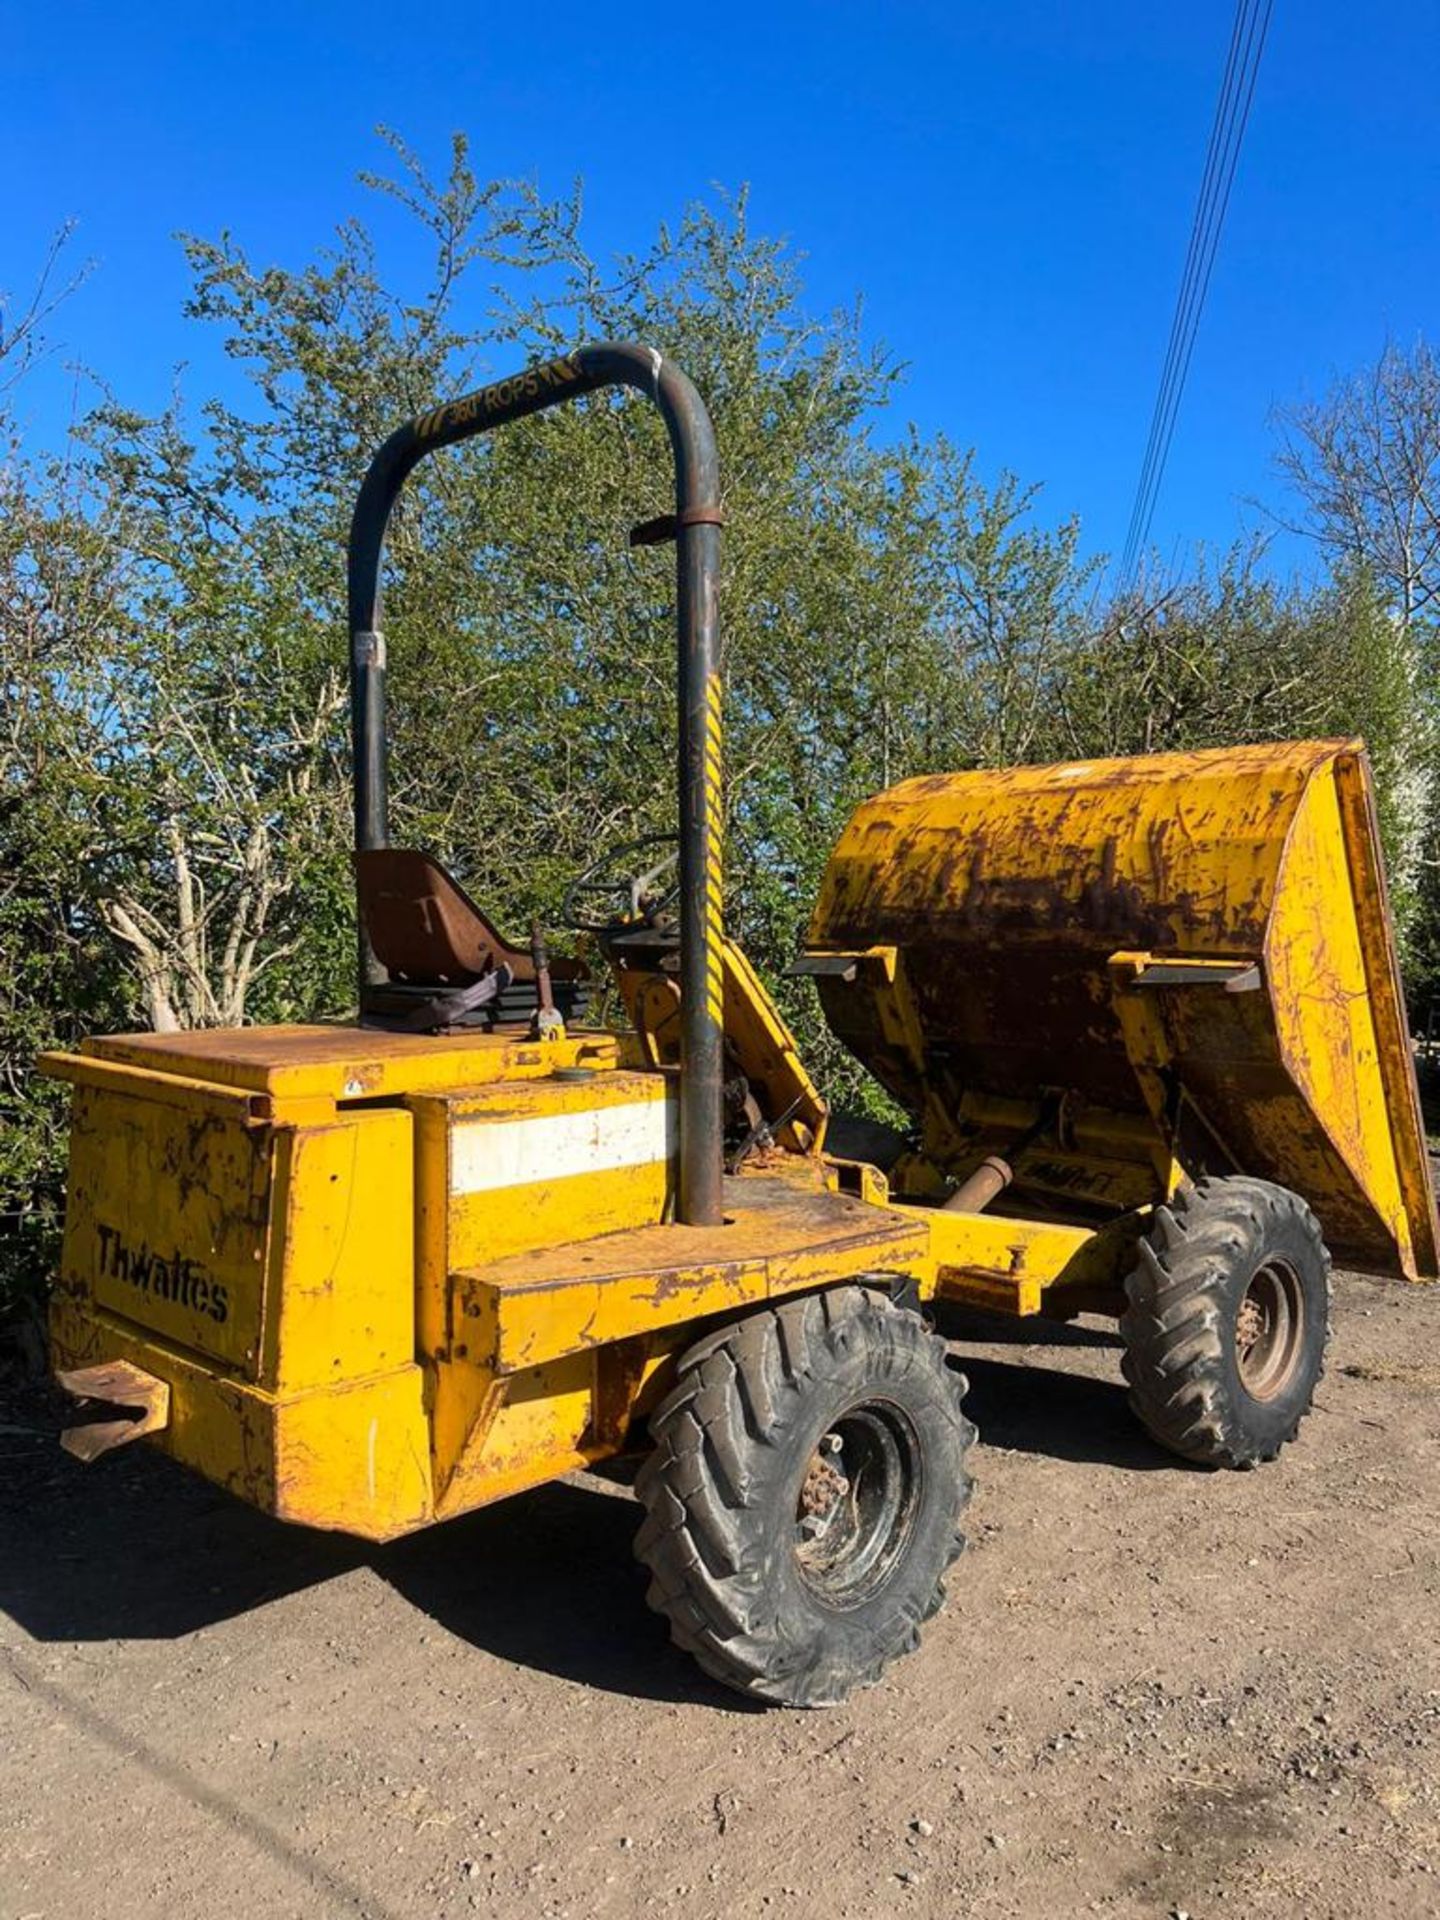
(1269, 1330)
(823, 1488)
(855, 1504)
(1249, 1325)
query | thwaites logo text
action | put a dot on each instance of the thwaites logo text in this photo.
(164, 1277)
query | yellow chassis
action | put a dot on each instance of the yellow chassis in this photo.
(356, 1332)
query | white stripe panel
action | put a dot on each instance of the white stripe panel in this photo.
(490, 1154)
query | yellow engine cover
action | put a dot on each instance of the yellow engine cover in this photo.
(266, 1272)
(270, 1223)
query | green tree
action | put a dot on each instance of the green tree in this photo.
(1363, 464)
(879, 605)
(175, 797)
(174, 801)
(61, 582)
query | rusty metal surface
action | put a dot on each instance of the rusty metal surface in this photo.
(140, 1404)
(781, 1234)
(1006, 897)
(1006, 893)
(423, 926)
(346, 1062)
(987, 1183)
(1355, 794)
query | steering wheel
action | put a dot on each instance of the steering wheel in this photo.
(636, 897)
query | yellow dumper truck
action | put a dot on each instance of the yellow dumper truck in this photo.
(1144, 1018)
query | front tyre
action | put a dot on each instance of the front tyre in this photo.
(1226, 1321)
(803, 1495)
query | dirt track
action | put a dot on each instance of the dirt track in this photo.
(1154, 1691)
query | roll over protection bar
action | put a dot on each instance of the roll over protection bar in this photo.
(697, 546)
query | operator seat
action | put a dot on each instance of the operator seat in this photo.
(448, 966)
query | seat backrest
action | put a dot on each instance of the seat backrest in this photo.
(422, 926)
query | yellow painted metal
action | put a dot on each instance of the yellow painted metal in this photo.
(532, 1165)
(340, 1063)
(1019, 1265)
(352, 1456)
(194, 1096)
(511, 1170)
(1041, 916)
(766, 1052)
(782, 1235)
(756, 1037)
(383, 1284)
(186, 1256)
(266, 1274)
(341, 1287)
(282, 1253)
(535, 1427)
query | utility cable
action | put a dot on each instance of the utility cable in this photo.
(1189, 280)
(1232, 113)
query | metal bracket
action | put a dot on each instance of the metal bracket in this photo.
(825, 966)
(905, 1292)
(142, 1402)
(878, 964)
(1240, 976)
(666, 526)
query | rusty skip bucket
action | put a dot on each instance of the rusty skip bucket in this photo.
(1196, 944)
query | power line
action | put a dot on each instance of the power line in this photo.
(1227, 132)
(1201, 221)
(1232, 108)
(1232, 111)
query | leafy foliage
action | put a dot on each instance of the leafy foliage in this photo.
(1364, 465)
(174, 803)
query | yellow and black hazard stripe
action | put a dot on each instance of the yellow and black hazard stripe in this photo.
(714, 841)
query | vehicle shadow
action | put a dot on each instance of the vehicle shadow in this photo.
(964, 1324)
(1065, 1416)
(136, 1547)
(549, 1580)
(1065, 1410)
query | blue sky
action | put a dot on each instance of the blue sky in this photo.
(1009, 186)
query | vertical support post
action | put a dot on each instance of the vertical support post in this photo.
(372, 826)
(702, 878)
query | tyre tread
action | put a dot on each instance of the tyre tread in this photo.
(741, 1388)
(1172, 1325)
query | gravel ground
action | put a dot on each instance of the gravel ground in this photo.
(1155, 1691)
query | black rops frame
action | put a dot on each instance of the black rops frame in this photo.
(696, 529)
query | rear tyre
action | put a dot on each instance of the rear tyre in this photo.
(803, 1495)
(1226, 1323)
